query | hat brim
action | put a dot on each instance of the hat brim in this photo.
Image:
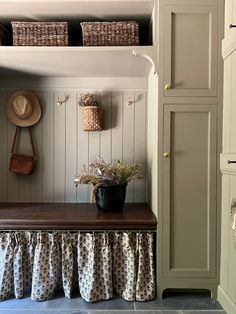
(12, 116)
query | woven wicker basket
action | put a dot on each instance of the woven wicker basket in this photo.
(124, 33)
(92, 118)
(40, 33)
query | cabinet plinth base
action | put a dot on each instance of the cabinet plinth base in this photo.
(190, 286)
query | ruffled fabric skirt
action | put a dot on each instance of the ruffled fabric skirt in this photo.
(99, 264)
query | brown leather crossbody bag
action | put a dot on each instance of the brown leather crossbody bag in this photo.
(22, 164)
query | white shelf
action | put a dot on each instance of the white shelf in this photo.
(78, 61)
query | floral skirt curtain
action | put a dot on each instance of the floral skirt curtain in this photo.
(99, 264)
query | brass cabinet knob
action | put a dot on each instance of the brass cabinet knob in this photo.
(166, 154)
(167, 87)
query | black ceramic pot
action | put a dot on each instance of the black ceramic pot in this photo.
(111, 198)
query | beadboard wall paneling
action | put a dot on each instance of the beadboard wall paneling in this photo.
(63, 147)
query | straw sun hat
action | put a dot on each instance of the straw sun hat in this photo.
(23, 108)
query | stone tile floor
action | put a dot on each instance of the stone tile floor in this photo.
(172, 303)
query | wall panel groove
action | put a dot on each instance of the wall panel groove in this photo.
(63, 147)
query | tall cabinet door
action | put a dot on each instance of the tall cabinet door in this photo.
(189, 191)
(190, 49)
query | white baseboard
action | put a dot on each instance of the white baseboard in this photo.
(225, 301)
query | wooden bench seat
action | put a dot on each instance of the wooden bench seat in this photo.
(68, 216)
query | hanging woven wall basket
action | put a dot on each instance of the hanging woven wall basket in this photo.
(92, 118)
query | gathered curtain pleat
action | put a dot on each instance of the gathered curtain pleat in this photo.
(67, 264)
(125, 265)
(46, 269)
(95, 267)
(6, 265)
(18, 265)
(145, 287)
(100, 264)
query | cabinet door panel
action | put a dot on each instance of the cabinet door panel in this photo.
(227, 105)
(232, 105)
(230, 15)
(232, 251)
(190, 50)
(189, 195)
(229, 108)
(225, 213)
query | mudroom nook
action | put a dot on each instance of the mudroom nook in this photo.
(124, 97)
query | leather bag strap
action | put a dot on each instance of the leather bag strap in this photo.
(31, 140)
(14, 141)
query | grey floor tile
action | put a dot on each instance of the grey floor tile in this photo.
(157, 312)
(111, 312)
(71, 312)
(181, 301)
(57, 311)
(134, 312)
(35, 311)
(190, 303)
(78, 304)
(21, 304)
(42, 311)
(205, 312)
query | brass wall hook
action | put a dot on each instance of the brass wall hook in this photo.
(60, 102)
(135, 99)
(130, 102)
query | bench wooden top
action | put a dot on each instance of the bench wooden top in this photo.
(68, 216)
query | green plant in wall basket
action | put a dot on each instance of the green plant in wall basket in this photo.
(92, 112)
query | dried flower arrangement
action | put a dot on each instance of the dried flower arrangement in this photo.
(87, 99)
(100, 173)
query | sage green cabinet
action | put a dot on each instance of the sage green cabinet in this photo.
(189, 144)
(189, 48)
(189, 187)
